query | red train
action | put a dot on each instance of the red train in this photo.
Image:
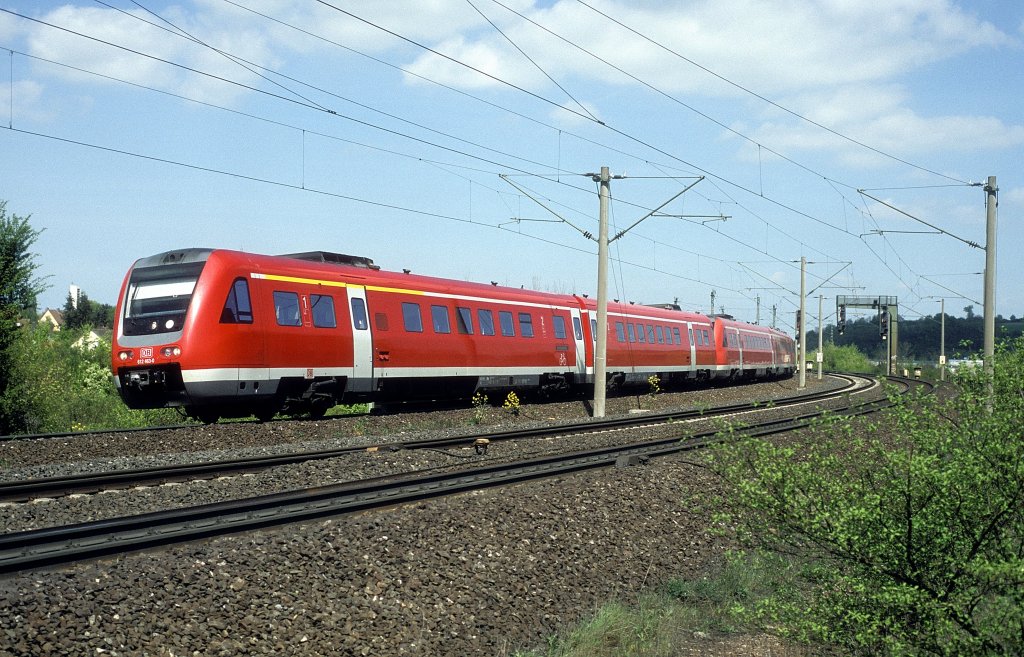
(230, 334)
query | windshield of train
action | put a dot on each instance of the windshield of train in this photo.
(158, 298)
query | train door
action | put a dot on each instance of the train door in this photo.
(581, 345)
(362, 341)
(735, 333)
(693, 348)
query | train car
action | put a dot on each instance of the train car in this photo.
(224, 333)
(750, 351)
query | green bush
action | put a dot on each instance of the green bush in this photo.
(58, 386)
(909, 532)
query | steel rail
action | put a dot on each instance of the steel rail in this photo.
(61, 545)
(51, 487)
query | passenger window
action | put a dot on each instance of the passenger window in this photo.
(286, 308)
(707, 337)
(661, 335)
(691, 335)
(559, 324)
(486, 318)
(526, 325)
(237, 309)
(677, 334)
(650, 334)
(620, 331)
(359, 314)
(323, 311)
(577, 328)
(641, 334)
(439, 316)
(505, 319)
(593, 329)
(632, 332)
(464, 320)
(412, 317)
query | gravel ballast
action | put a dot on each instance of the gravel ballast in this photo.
(482, 573)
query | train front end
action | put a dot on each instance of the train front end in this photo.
(150, 334)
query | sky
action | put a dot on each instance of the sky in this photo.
(461, 139)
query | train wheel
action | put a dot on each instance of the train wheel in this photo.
(207, 417)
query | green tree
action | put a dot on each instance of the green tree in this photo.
(19, 288)
(86, 312)
(910, 532)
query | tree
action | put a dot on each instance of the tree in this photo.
(19, 288)
(86, 312)
(910, 532)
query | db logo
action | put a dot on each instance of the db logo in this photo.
(146, 352)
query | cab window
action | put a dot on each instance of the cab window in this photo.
(237, 308)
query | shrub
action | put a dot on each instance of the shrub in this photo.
(910, 532)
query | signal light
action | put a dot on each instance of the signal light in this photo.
(841, 324)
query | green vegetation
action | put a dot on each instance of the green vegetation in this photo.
(60, 384)
(845, 358)
(908, 534)
(52, 381)
(898, 536)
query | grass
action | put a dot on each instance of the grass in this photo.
(681, 613)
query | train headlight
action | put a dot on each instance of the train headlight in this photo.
(169, 324)
(168, 352)
(124, 355)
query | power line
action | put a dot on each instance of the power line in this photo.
(764, 98)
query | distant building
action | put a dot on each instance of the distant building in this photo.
(53, 317)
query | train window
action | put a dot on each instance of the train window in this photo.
(690, 330)
(526, 325)
(559, 323)
(632, 332)
(286, 308)
(650, 334)
(439, 316)
(620, 331)
(577, 328)
(505, 320)
(380, 320)
(464, 320)
(641, 334)
(412, 317)
(359, 314)
(486, 318)
(679, 337)
(593, 329)
(661, 334)
(323, 311)
(237, 309)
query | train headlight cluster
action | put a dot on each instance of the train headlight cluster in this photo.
(168, 352)
(124, 355)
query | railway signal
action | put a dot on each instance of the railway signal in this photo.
(841, 323)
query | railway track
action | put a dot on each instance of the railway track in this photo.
(60, 545)
(53, 487)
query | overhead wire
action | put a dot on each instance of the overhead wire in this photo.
(724, 180)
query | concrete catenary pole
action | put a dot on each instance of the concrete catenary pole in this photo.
(600, 355)
(820, 357)
(942, 341)
(991, 203)
(801, 352)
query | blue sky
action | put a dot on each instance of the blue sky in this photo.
(453, 137)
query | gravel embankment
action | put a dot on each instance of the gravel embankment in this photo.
(475, 574)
